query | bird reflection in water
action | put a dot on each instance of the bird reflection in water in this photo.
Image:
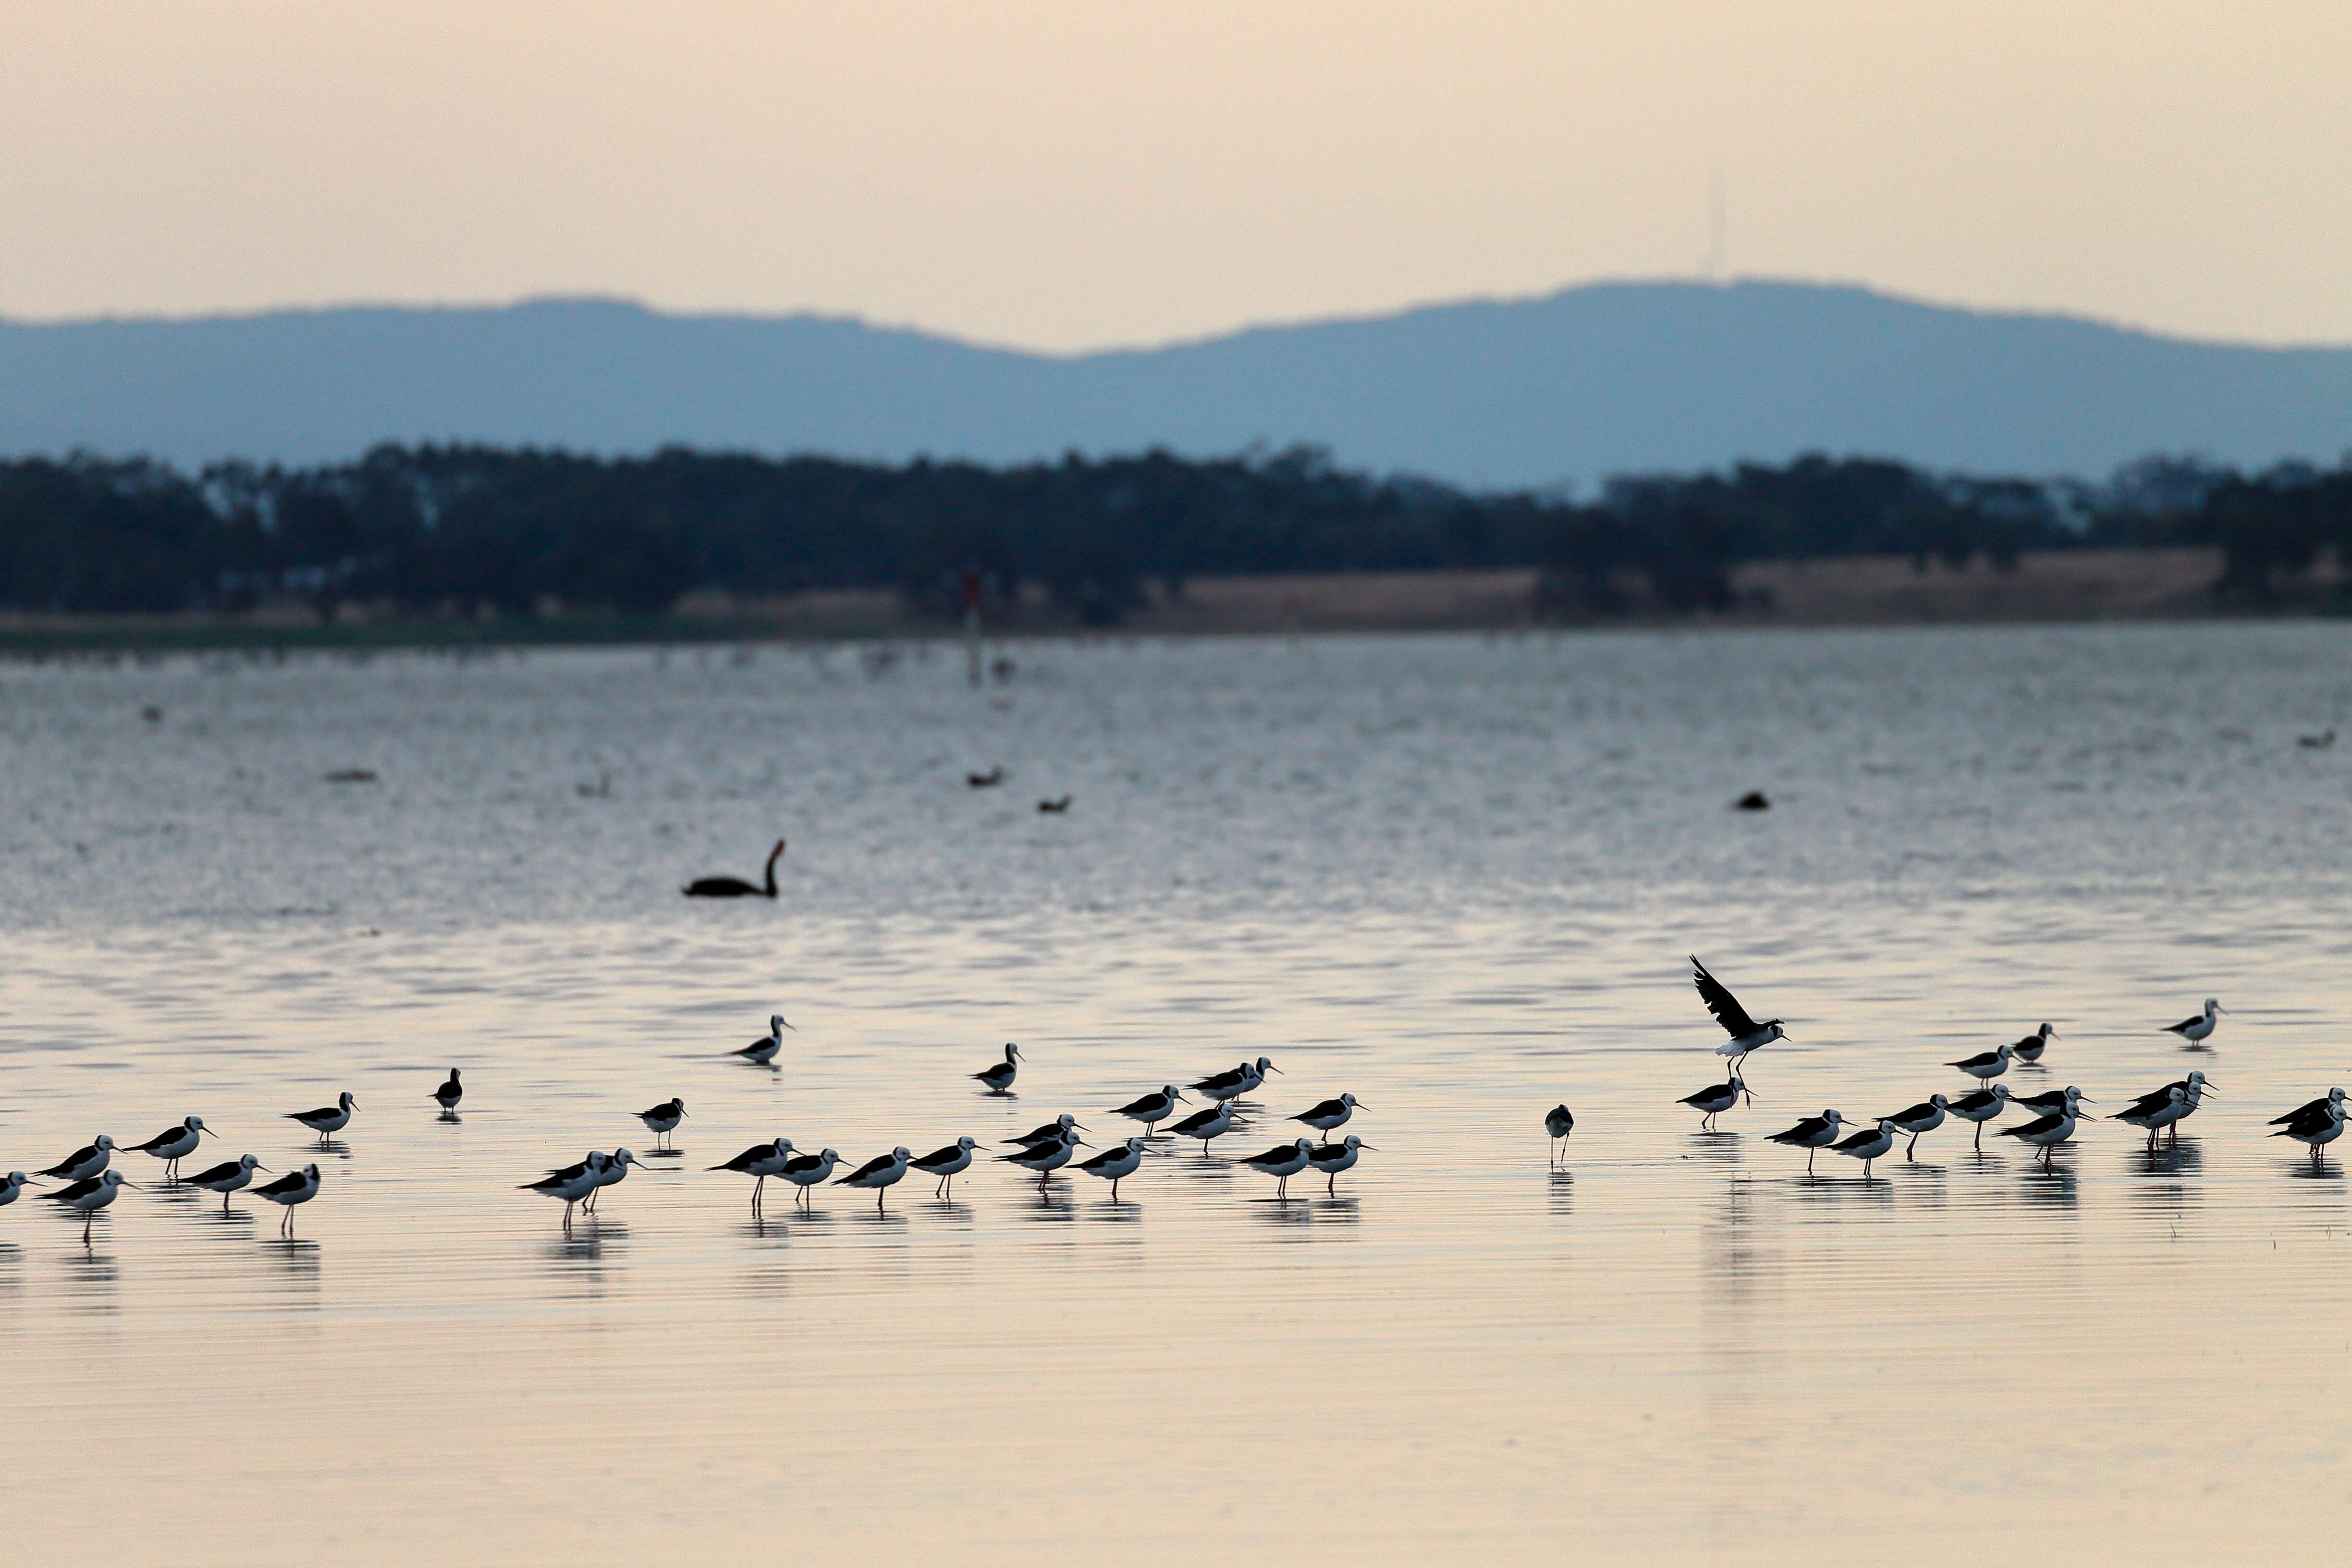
(1561, 1198)
(1299, 1215)
(579, 1258)
(296, 1261)
(2049, 1189)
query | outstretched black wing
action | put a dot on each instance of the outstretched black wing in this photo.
(1721, 1002)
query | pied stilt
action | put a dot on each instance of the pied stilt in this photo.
(1980, 1107)
(571, 1183)
(1115, 1165)
(763, 1051)
(1712, 1100)
(761, 1160)
(662, 1120)
(879, 1174)
(172, 1144)
(808, 1171)
(946, 1164)
(2195, 1029)
(1924, 1117)
(226, 1179)
(1214, 1123)
(1046, 1158)
(1869, 1145)
(1053, 1131)
(997, 1080)
(1152, 1109)
(12, 1187)
(89, 1197)
(294, 1187)
(1333, 1113)
(83, 1162)
(1985, 1066)
(1812, 1134)
(1746, 1034)
(1283, 1162)
(615, 1171)
(2029, 1049)
(2309, 1108)
(1559, 1122)
(1331, 1158)
(2162, 1111)
(2316, 1124)
(450, 1093)
(328, 1120)
(2046, 1132)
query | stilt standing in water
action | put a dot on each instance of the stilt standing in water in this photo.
(1712, 1102)
(662, 1120)
(1869, 1145)
(1115, 1165)
(1560, 1122)
(1980, 1107)
(879, 1174)
(89, 1197)
(763, 1051)
(450, 1093)
(295, 1187)
(2196, 1029)
(1924, 1117)
(946, 1164)
(173, 1144)
(1814, 1134)
(998, 1078)
(2029, 1049)
(1331, 1159)
(226, 1179)
(328, 1120)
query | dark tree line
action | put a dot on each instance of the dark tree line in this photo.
(436, 529)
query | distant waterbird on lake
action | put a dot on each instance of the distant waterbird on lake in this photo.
(1056, 807)
(2318, 742)
(946, 1164)
(2315, 1125)
(1746, 1034)
(662, 1120)
(1559, 1122)
(450, 1093)
(735, 887)
(227, 1178)
(1115, 1165)
(1712, 1100)
(1754, 800)
(879, 1174)
(1282, 1161)
(762, 1160)
(1812, 1134)
(1985, 1066)
(997, 1077)
(2030, 1049)
(294, 1188)
(2196, 1029)
(1980, 1107)
(173, 1143)
(328, 1120)
(1924, 1117)
(1331, 1159)
(1333, 1113)
(83, 1162)
(988, 780)
(89, 1197)
(1152, 1109)
(1869, 1145)
(1214, 1123)
(763, 1051)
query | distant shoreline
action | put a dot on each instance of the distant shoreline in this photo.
(2046, 587)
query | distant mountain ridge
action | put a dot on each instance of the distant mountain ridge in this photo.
(1601, 379)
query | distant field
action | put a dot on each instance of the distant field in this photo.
(2073, 585)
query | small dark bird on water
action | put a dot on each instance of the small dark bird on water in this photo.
(735, 887)
(450, 1093)
(1055, 805)
(1560, 1122)
(988, 780)
(1754, 800)
(2318, 742)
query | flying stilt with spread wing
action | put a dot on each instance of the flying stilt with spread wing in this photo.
(1746, 1034)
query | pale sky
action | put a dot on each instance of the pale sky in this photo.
(1072, 175)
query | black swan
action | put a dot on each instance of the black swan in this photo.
(735, 887)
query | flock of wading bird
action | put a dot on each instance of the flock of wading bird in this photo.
(2053, 1117)
(89, 1185)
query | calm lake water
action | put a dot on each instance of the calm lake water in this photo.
(1458, 877)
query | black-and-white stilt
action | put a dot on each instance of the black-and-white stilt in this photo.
(1283, 1162)
(1985, 1066)
(2029, 1049)
(1115, 1165)
(1152, 1109)
(89, 1196)
(1812, 1134)
(2046, 1132)
(1559, 1122)
(2049, 1104)
(450, 1093)
(808, 1171)
(615, 1171)
(328, 1120)
(226, 1179)
(763, 1051)
(173, 1143)
(1334, 1113)
(12, 1187)
(1235, 1083)
(2309, 1108)
(997, 1080)
(1869, 1145)
(1059, 1128)
(1746, 1034)
(1980, 1107)
(2317, 1125)
(83, 1162)
(292, 1188)
(1924, 1117)
(2197, 1029)
(2160, 1108)
(570, 1184)
(1331, 1159)
(946, 1164)
(662, 1120)
(759, 1160)
(1712, 1100)
(1214, 1123)
(879, 1175)
(1046, 1158)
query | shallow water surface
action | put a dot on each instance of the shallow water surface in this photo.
(1456, 876)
